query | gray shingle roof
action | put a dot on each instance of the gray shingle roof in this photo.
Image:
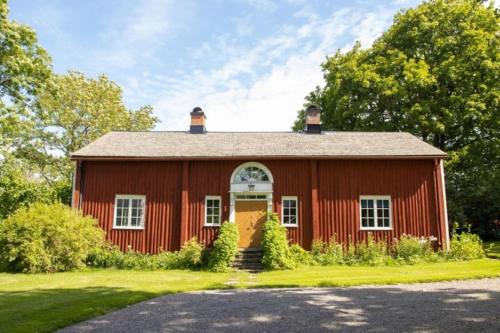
(178, 145)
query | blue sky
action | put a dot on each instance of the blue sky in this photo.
(247, 63)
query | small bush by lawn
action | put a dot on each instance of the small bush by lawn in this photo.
(225, 248)
(47, 238)
(275, 246)
(492, 249)
(279, 255)
(465, 246)
(109, 256)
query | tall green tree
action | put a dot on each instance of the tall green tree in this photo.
(25, 68)
(44, 117)
(77, 110)
(435, 73)
(74, 111)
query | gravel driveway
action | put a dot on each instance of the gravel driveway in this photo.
(461, 306)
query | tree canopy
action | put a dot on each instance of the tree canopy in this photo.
(434, 73)
(76, 110)
(25, 68)
(45, 116)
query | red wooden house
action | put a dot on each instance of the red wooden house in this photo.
(152, 191)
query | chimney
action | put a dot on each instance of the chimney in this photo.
(313, 120)
(197, 121)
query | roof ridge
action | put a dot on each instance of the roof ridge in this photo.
(264, 132)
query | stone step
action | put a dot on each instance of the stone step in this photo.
(250, 267)
(248, 257)
(251, 252)
(248, 260)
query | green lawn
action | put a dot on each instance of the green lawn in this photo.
(493, 249)
(330, 276)
(45, 302)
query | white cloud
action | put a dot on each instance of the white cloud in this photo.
(268, 6)
(262, 88)
(133, 38)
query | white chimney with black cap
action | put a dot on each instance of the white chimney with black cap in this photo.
(197, 121)
(313, 120)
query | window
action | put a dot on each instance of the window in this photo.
(251, 197)
(212, 210)
(129, 212)
(251, 174)
(375, 212)
(289, 211)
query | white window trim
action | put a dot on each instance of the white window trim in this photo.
(375, 197)
(213, 197)
(283, 198)
(126, 196)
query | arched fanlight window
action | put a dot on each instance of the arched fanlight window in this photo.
(251, 174)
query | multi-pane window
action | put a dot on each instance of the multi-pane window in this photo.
(375, 212)
(252, 174)
(212, 210)
(289, 211)
(129, 211)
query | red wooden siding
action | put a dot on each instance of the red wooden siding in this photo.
(160, 182)
(291, 178)
(207, 178)
(175, 197)
(410, 183)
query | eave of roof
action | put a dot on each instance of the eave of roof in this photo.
(141, 146)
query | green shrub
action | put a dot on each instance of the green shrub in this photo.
(371, 252)
(168, 260)
(47, 238)
(105, 256)
(225, 248)
(275, 245)
(410, 249)
(109, 255)
(330, 253)
(350, 253)
(191, 254)
(300, 256)
(465, 246)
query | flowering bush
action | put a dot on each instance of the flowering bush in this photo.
(371, 252)
(189, 257)
(330, 253)
(410, 249)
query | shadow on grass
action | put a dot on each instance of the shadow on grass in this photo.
(45, 310)
(384, 309)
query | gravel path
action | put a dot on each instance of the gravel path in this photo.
(459, 306)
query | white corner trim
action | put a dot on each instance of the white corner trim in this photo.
(73, 184)
(445, 206)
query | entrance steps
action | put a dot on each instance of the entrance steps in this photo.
(249, 260)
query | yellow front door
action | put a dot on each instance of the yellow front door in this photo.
(250, 218)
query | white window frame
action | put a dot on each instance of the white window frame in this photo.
(375, 198)
(127, 196)
(213, 197)
(290, 197)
